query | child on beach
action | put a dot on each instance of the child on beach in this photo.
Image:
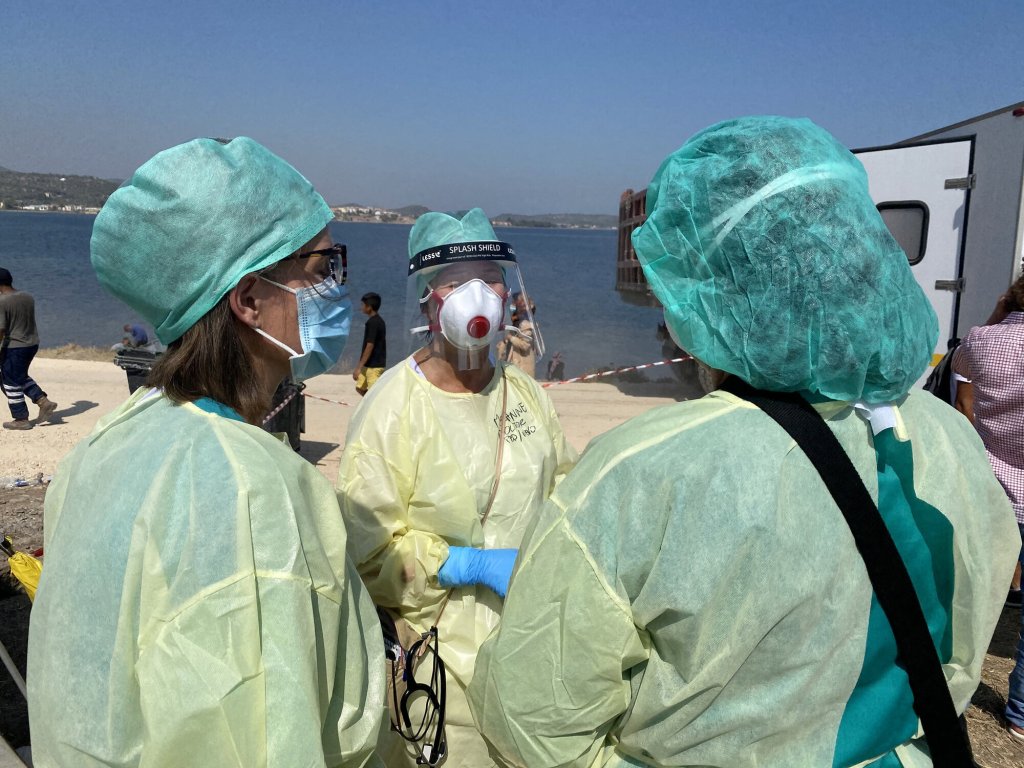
(374, 358)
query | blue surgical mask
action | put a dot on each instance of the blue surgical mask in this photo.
(325, 314)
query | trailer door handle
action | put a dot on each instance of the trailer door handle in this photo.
(956, 286)
(964, 182)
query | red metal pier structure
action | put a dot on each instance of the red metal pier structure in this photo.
(629, 276)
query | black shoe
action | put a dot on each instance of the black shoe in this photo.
(1013, 599)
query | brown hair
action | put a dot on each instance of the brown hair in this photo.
(1015, 296)
(211, 360)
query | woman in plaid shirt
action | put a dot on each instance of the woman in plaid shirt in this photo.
(992, 357)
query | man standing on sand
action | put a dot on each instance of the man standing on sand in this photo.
(19, 342)
(374, 359)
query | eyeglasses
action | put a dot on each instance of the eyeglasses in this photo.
(337, 261)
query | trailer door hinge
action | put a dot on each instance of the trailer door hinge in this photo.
(964, 182)
(956, 286)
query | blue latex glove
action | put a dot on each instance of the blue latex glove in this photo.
(467, 565)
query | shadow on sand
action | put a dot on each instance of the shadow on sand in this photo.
(314, 452)
(79, 406)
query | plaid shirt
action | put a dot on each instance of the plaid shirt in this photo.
(992, 356)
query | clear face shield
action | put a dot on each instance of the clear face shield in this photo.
(459, 303)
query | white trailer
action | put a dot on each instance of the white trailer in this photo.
(954, 198)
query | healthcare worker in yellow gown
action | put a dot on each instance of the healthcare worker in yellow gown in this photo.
(421, 455)
(196, 606)
(692, 595)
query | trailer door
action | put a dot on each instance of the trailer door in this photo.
(923, 193)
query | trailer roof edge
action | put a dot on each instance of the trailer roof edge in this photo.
(962, 123)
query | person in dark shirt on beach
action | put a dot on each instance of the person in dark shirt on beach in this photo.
(374, 359)
(19, 342)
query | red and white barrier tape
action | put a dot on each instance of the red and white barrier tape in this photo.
(325, 399)
(291, 397)
(280, 408)
(590, 376)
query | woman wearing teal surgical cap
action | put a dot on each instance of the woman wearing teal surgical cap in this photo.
(447, 462)
(203, 611)
(691, 594)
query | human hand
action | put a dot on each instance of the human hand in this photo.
(355, 374)
(469, 565)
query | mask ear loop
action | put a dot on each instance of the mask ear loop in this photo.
(430, 327)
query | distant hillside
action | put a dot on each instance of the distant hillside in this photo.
(412, 211)
(408, 214)
(563, 220)
(20, 190)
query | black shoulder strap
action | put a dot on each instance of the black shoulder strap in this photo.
(889, 577)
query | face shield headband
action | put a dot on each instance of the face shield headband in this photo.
(457, 253)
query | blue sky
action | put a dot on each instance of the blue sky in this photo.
(524, 107)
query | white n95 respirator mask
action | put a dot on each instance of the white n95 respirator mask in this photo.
(471, 316)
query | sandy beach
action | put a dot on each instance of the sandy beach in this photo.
(85, 391)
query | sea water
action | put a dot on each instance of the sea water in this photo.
(570, 275)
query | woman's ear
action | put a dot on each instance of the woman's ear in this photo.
(245, 301)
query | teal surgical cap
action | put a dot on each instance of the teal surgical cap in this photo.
(772, 263)
(194, 220)
(433, 229)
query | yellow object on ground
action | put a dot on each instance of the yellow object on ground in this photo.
(201, 611)
(414, 479)
(691, 594)
(26, 569)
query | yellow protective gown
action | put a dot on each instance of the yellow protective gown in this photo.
(199, 610)
(415, 477)
(692, 596)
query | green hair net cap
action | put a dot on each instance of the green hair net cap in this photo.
(195, 219)
(433, 229)
(772, 263)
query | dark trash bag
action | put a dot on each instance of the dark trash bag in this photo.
(290, 419)
(136, 363)
(940, 380)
